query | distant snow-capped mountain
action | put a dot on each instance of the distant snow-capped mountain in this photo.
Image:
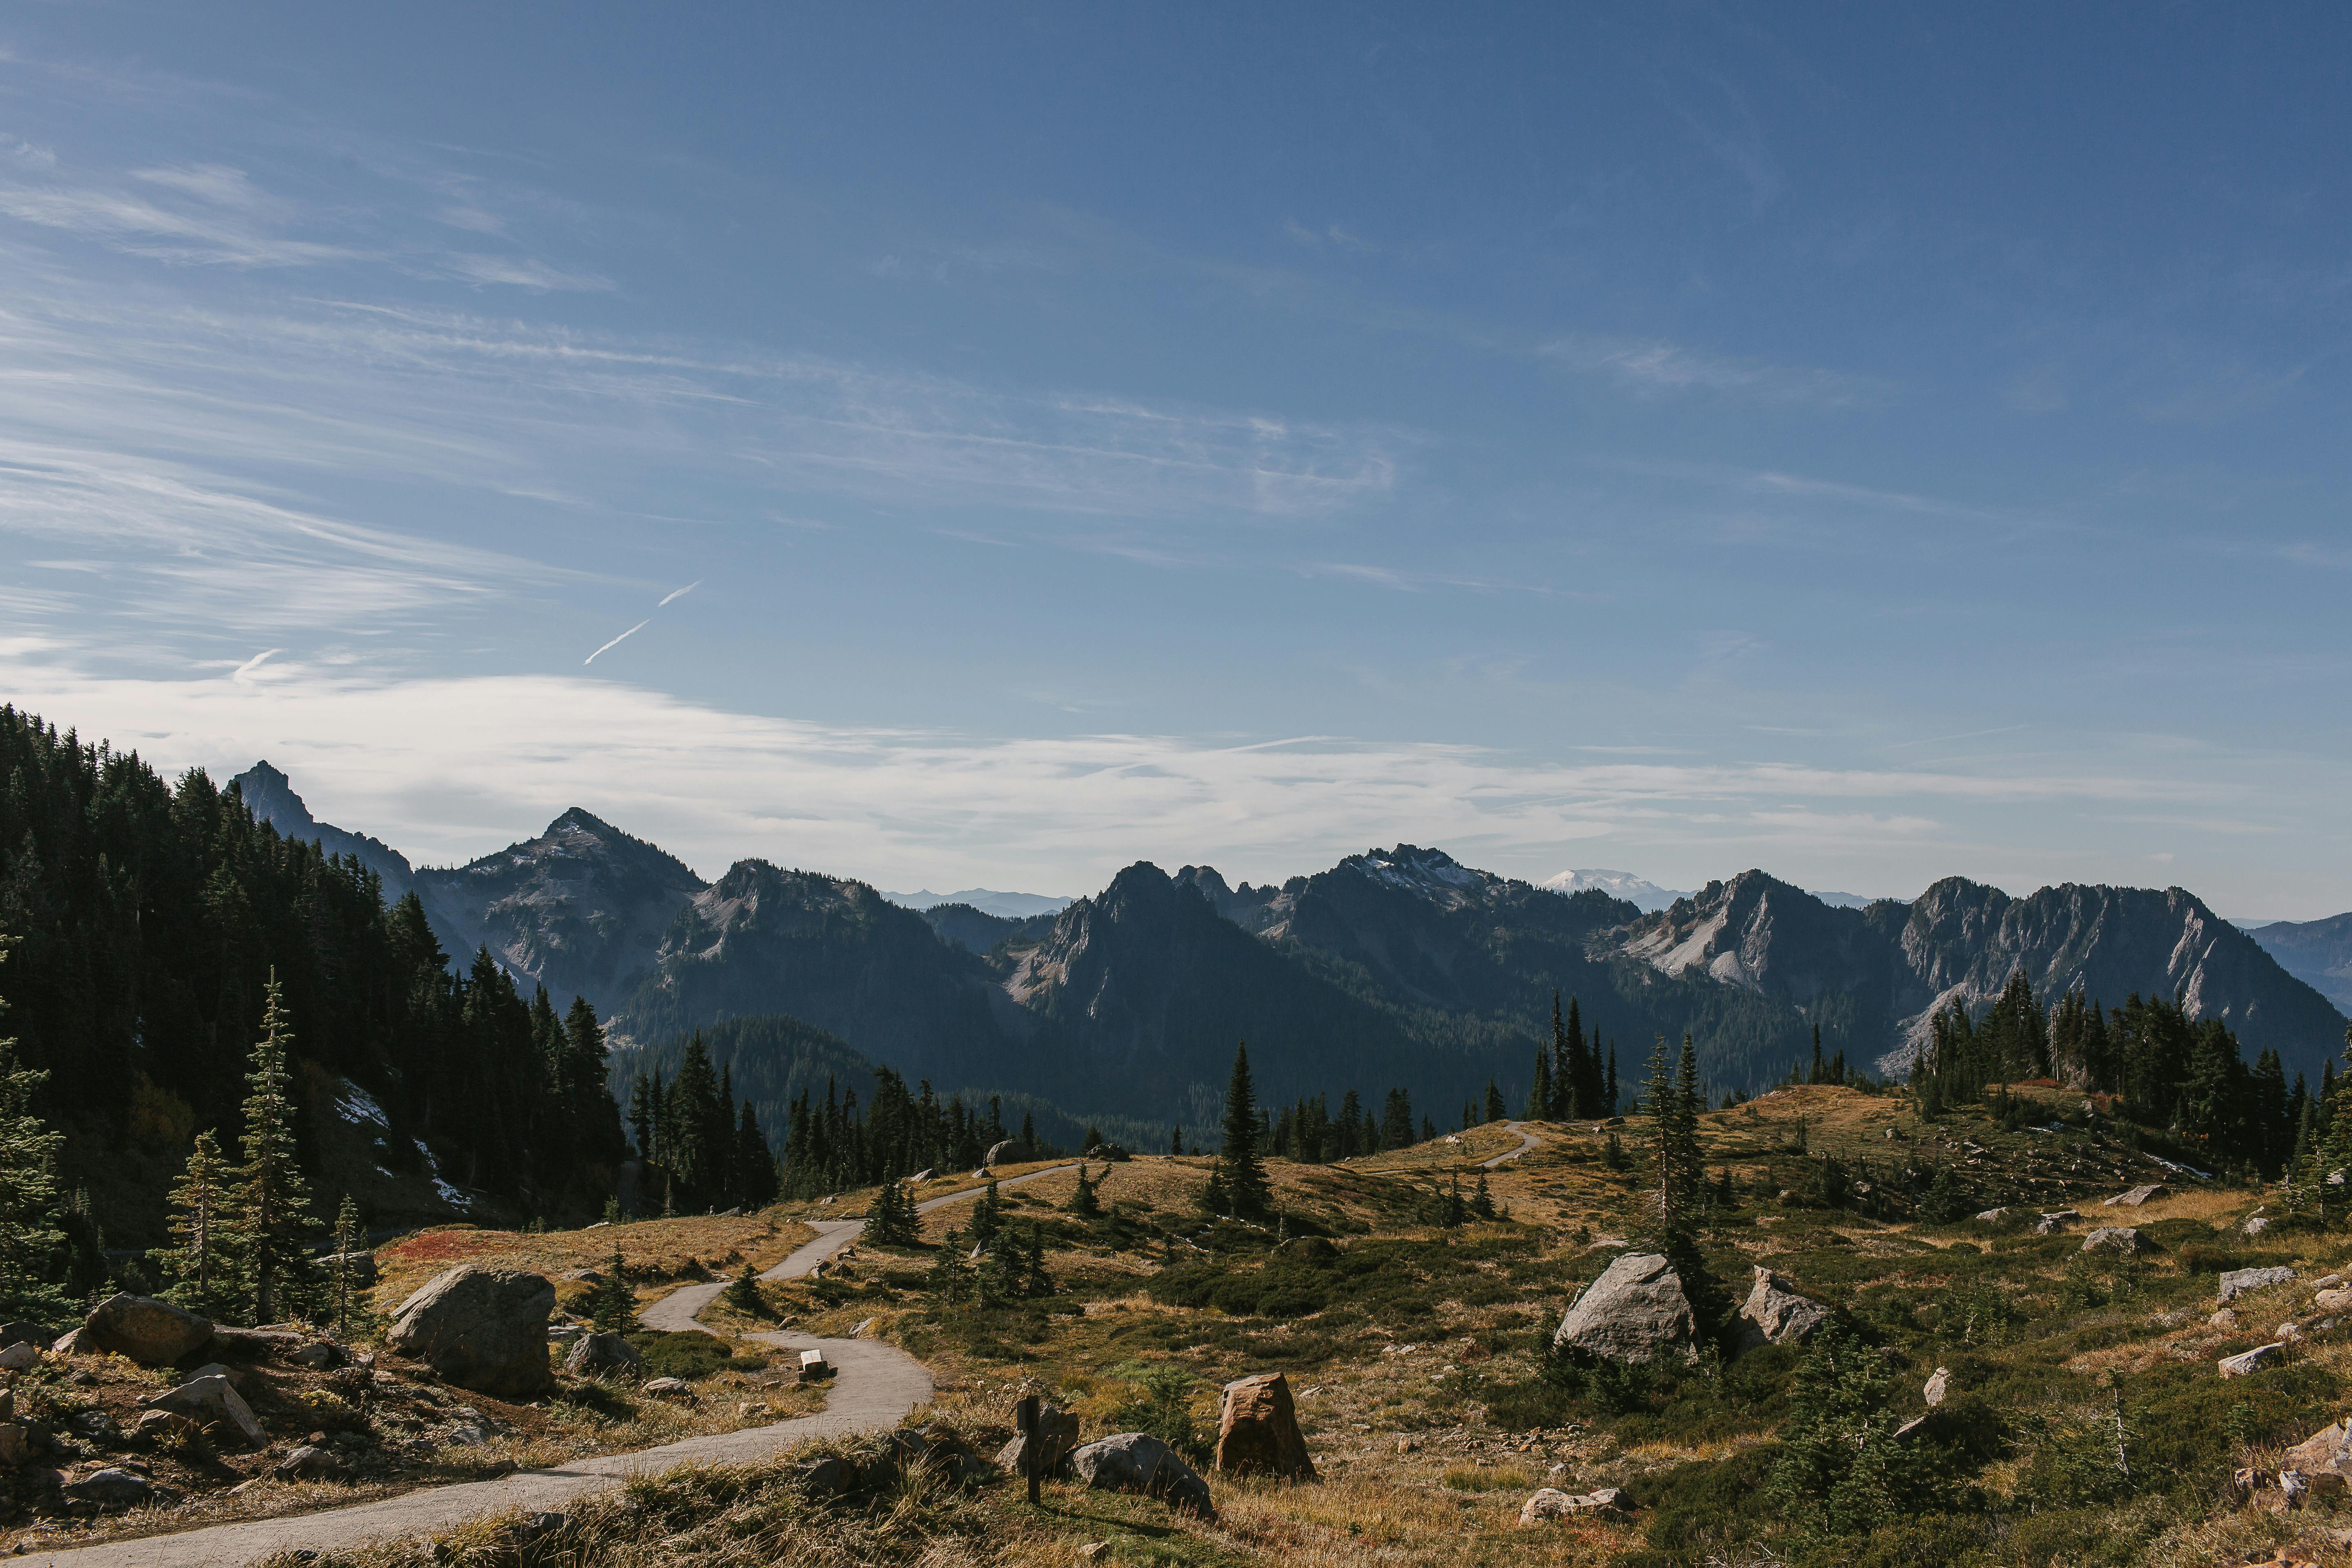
(1013, 906)
(1647, 897)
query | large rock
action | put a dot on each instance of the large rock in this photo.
(1138, 1462)
(2120, 1239)
(1011, 1151)
(483, 1329)
(152, 1332)
(2251, 1362)
(1550, 1502)
(2137, 1196)
(1057, 1433)
(1777, 1314)
(1257, 1431)
(1634, 1313)
(2238, 1281)
(2327, 1452)
(604, 1355)
(112, 1488)
(211, 1401)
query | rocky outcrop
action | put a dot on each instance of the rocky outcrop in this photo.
(1776, 1314)
(1257, 1430)
(2327, 1452)
(1057, 1435)
(2251, 1362)
(2137, 1196)
(1939, 1387)
(604, 1355)
(1009, 1151)
(1138, 1462)
(481, 1329)
(152, 1332)
(2120, 1239)
(214, 1404)
(2236, 1282)
(1636, 1311)
(1550, 1503)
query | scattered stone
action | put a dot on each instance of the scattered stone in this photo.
(2337, 1300)
(859, 1331)
(2056, 1221)
(667, 1388)
(2238, 1281)
(1138, 1462)
(466, 1435)
(19, 1356)
(1939, 1387)
(1408, 1445)
(152, 1332)
(827, 1476)
(1057, 1433)
(2226, 1318)
(21, 1333)
(1549, 1503)
(2113, 1238)
(2138, 1196)
(308, 1464)
(483, 1329)
(16, 1444)
(1635, 1310)
(815, 1367)
(2255, 1225)
(2251, 1362)
(211, 1401)
(920, 1177)
(1094, 1552)
(2327, 1452)
(320, 1355)
(112, 1488)
(165, 1425)
(66, 1343)
(1257, 1430)
(1992, 1216)
(1011, 1151)
(604, 1355)
(1777, 1314)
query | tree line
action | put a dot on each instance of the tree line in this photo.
(149, 921)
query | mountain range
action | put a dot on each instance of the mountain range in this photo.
(988, 901)
(1394, 968)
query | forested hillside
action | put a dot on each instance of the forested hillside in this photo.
(147, 919)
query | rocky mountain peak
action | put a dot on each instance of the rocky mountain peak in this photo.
(269, 795)
(1433, 873)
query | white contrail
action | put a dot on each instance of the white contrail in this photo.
(633, 631)
(681, 594)
(249, 666)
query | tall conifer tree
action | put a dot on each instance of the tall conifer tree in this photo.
(1244, 1174)
(201, 1224)
(271, 1203)
(29, 1237)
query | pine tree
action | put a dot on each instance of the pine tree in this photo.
(202, 1271)
(1083, 1201)
(612, 1306)
(348, 1235)
(951, 1278)
(1609, 1093)
(755, 1164)
(1494, 1109)
(1176, 1140)
(986, 1217)
(270, 1201)
(743, 1292)
(1482, 1201)
(1244, 1175)
(29, 1237)
(1671, 1191)
(1539, 1095)
(892, 1220)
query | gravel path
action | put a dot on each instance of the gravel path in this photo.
(1526, 1141)
(873, 1387)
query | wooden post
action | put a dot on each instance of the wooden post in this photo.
(1024, 1417)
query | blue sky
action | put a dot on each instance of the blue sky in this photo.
(1868, 443)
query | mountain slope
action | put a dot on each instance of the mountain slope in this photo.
(840, 956)
(270, 796)
(1874, 976)
(2317, 953)
(579, 909)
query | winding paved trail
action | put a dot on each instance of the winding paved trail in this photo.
(874, 1385)
(1526, 1141)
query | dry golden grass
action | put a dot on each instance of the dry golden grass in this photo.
(659, 1250)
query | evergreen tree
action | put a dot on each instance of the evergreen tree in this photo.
(1176, 1140)
(1083, 1201)
(349, 1233)
(29, 1237)
(986, 1217)
(1396, 1120)
(1244, 1172)
(1674, 1177)
(951, 1275)
(1539, 1094)
(612, 1306)
(892, 1220)
(269, 1205)
(743, 1292)
(755, 1165)
(1482, 1201)
(203, 1273)
(1495, 1111)
(1609, 1094)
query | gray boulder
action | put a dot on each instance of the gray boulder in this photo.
(2052, 1223)
(2120, 1239)
(483, 1329)
(604, 1355)
(1634, 1313)
(2251, 1362)
(1939, 1387)
(212, 1402)
(2238, 1281)
(19, 1356)
(112, 1488)
(152, 1332)
(1057, 1433)
(2137, 1196)
(308, 1464)
(1011, 1151)
(1138, 1462)
(1776, 1313)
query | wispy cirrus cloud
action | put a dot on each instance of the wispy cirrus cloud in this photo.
(1659, 368)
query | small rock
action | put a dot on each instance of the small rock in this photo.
(1939, 1386)
(2250, 1362)
(308, 1464)
(2056, 1221)
(466, 1435)
(68, 1343)
(2333, 1301)
(2226, 1318)
(112, 1488)
(1094, 1552)
(1408, 1445)
(152, 1332)
(603, 1355)
(1057, 1433)
(2255, 1225)
(827, 1476)
(2236, 1282)
(2138, 1196)
(320, 1355)
(1989, 1216)
(2113, 1238)
(210, 1400)
(859, 1331)
(667, 1388)
(19, 1356)
(1138, 1462)
(1776, 1313)
(1257, 1430)
(165, 1425)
